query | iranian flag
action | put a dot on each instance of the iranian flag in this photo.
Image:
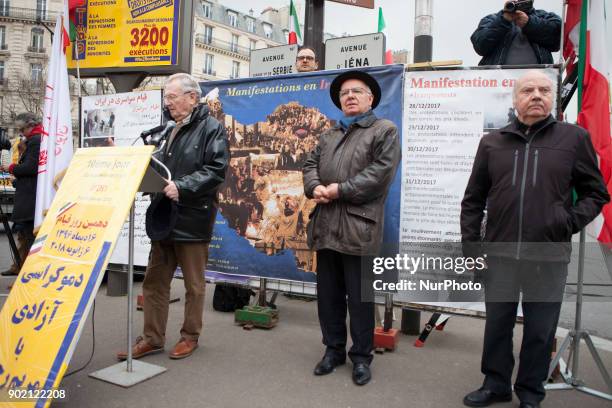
(381, 26)
(587, 36)
(56, 142)
(294, 25)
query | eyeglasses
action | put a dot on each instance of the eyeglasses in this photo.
(305, 58)
(355, 91)
(172, 97)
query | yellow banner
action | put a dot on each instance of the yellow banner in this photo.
(124, 33)
(42, 318)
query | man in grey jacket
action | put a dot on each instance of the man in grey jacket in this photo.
(348, 175)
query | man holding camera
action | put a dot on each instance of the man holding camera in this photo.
(517, 35)
(26, 174)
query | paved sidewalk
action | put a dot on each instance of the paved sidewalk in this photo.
(273, 368)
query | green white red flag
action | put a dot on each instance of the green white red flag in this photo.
(588, 41)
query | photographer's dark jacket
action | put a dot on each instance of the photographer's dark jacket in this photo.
(363, 161)
(524, 177)
(26, 176)
(197, 159)
(494, 36)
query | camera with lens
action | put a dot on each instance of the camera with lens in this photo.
(513, 6)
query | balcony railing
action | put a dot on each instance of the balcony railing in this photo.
(27, 14)
(40, 50)
(223, 45)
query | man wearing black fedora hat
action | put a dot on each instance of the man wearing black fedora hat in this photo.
(348, 175)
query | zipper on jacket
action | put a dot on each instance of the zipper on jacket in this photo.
(344, 142)
(521, 202)
(514, 168)
(535, 167)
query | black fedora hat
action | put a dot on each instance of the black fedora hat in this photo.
(161, 217)
(334, 90)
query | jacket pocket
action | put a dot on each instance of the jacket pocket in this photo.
(559, 226)
(359, 224)
(514, 168)
(535, 167)
(195, 221)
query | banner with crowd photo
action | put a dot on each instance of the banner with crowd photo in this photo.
(273, 123)
(446, 112)
(118, 120)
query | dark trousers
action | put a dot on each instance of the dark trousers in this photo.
(339, 286)
(25, 239)
(542, 286)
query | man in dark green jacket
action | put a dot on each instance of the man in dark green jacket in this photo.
(348, 175)
(197, 154)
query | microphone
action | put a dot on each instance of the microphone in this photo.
(155, 135)
(149, 132)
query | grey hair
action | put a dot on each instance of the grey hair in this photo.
(187, 82)
(27, 119)
(519, 81)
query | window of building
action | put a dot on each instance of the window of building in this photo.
(234, 45)
(5, 5)
(41, 9)
(207, 7)
(232, 18)
(251, 24)
(37, 39)
(1, 71)
(209, 61)
(267, 30)
(235, 69)
(36, 72)
(253, 45)
(208, 31)
(3, 38)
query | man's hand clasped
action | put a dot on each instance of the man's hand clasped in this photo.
(324, 195)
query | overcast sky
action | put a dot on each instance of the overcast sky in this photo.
(454, 22)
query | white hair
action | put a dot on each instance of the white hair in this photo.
(187, 83)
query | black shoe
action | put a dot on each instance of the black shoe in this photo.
(484, 397)
(9, 272)
(529, 405)
(327, 365)
(361, 373)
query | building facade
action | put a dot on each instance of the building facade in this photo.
(224, 38)
(25, 46)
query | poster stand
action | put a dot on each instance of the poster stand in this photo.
(130, 372)
(571, 379)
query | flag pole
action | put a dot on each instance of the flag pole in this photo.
(562, 61)
(573, 339)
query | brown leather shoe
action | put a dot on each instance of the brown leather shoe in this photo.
(184, 348)
(140, 349)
